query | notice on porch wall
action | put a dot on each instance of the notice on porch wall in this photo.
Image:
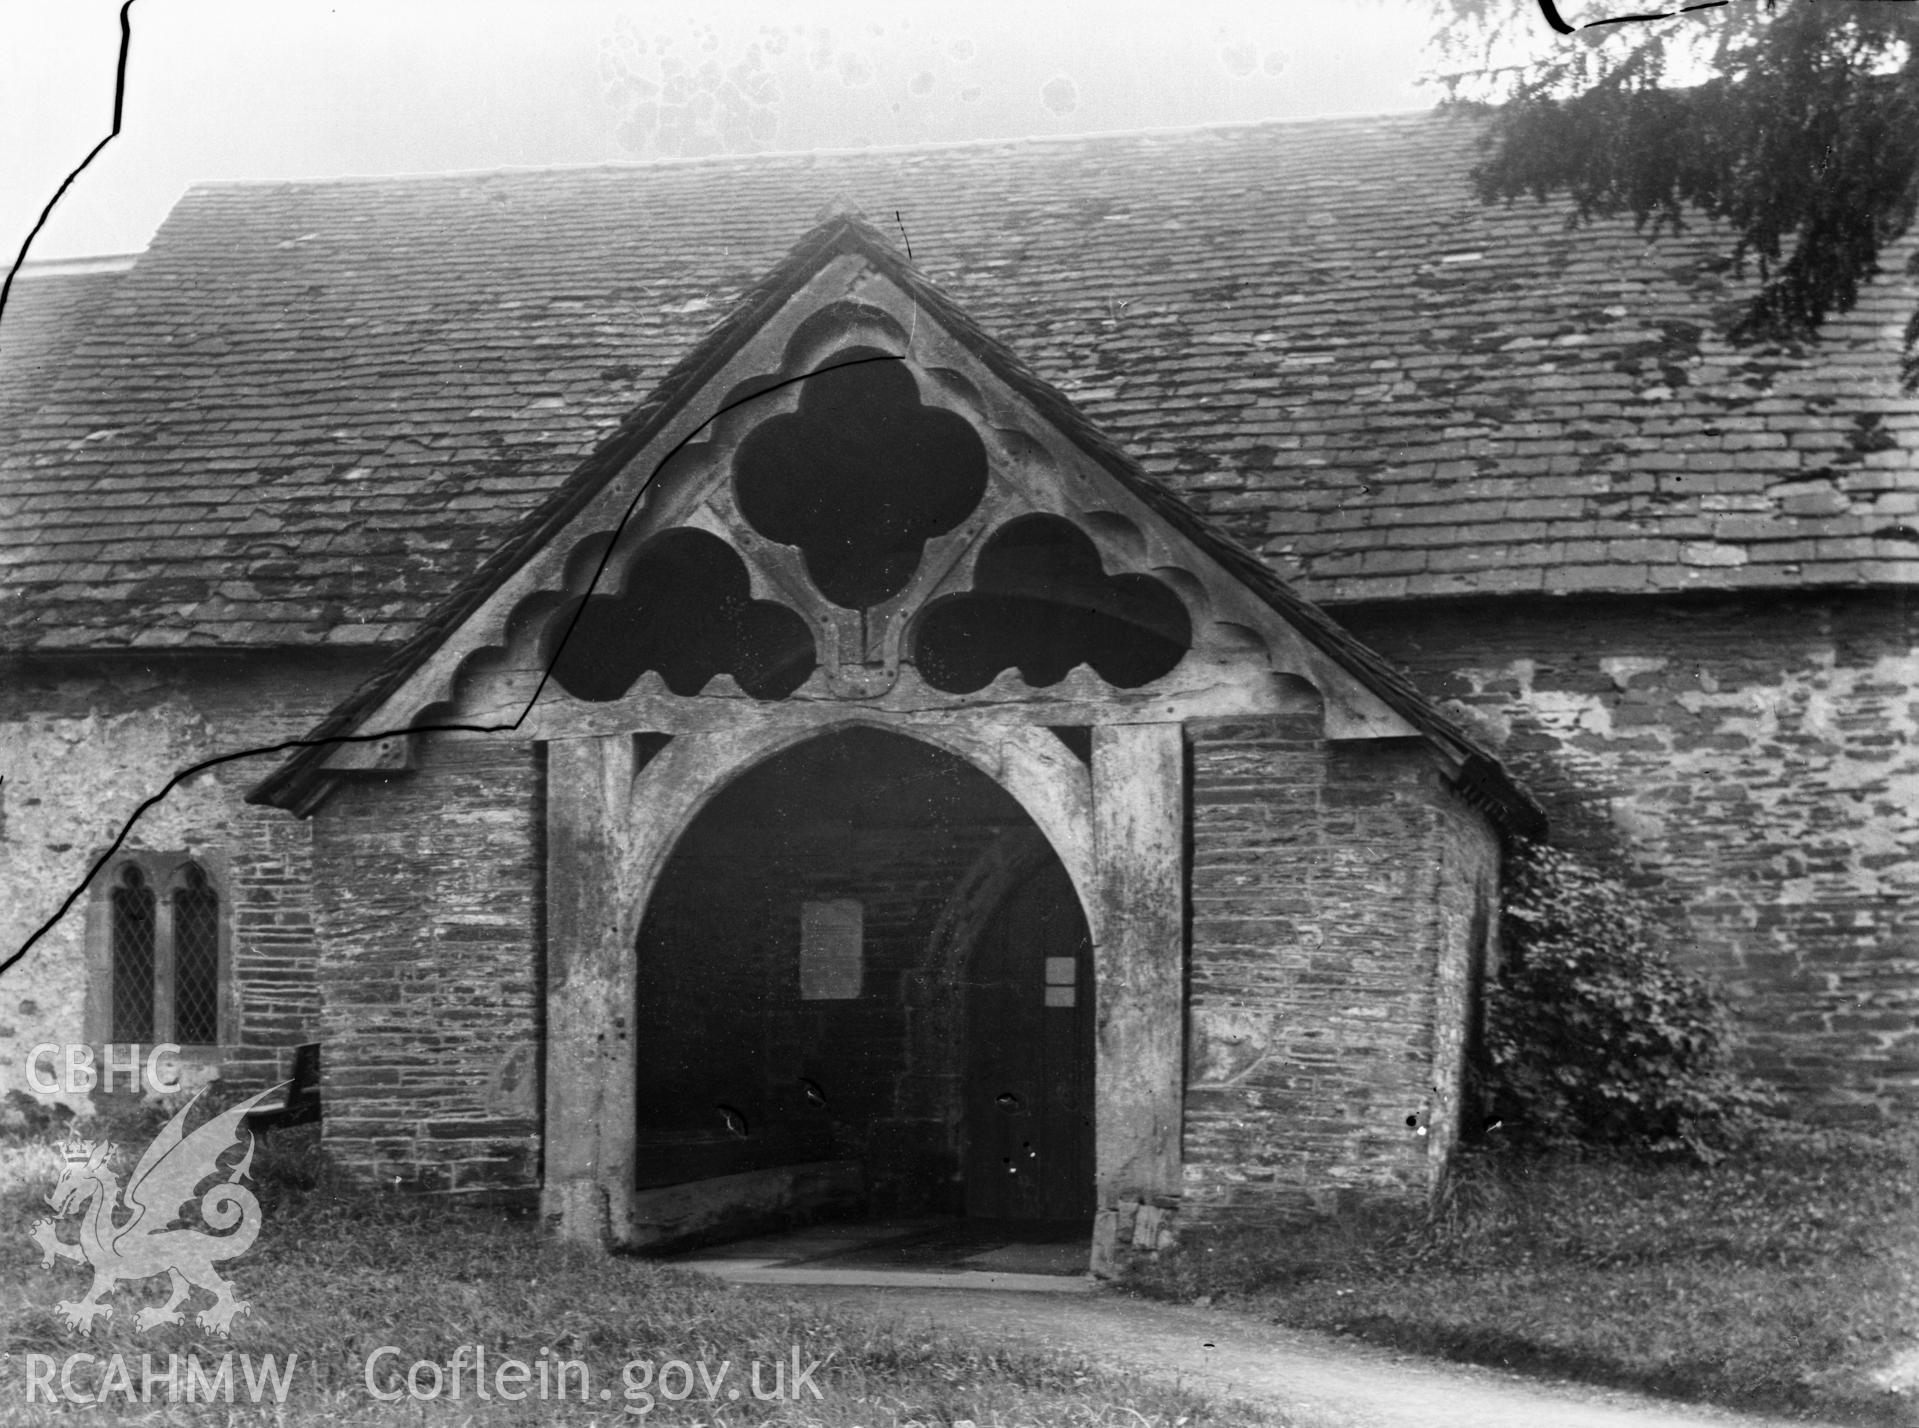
(832, 936)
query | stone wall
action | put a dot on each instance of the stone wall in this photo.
(430, 890)
(1336, 893)
(83, 741)
(1468, 941)
(1750, 760)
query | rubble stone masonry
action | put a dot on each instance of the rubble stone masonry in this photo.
(1751, 761)
(430, 886)
(1336, 894)
(83, 742)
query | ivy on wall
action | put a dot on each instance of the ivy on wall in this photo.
(1593, 1035)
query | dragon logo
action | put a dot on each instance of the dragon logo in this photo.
(148, 1243)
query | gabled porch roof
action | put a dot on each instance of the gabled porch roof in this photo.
(695, 379)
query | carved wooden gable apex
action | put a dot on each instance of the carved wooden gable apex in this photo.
(848, 494)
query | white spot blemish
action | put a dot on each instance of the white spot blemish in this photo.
(1623, 669)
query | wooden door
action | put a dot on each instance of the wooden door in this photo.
(1029, 1064)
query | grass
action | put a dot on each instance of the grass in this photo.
(339, 1272)
(1785, 1278)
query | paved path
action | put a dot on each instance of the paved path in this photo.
(1321, 1382)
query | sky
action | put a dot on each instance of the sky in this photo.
(261, 89)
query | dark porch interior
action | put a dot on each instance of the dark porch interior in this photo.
(804, 969)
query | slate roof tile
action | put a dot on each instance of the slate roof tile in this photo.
(1284, 321)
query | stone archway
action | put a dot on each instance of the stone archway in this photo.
(616, 807)
(1029, 1117)
(956, 996)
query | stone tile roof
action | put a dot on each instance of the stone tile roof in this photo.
(49, 307)
(313, 409)
(298, 782)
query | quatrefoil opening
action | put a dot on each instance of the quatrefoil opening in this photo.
(860, 477)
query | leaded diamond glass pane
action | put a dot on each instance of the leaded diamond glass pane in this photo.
(133, 930)
(196, 961)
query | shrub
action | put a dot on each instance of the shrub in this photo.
(1592, 1034)
(24, 1117)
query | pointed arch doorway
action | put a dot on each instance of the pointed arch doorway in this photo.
(1028, 1132)
(862, 952)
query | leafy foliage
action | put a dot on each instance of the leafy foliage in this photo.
(1592, 1034)
(1796, 123)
